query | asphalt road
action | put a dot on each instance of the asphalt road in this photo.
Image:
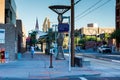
(69, 78)
(103, 56)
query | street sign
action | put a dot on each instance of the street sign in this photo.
(63, 27)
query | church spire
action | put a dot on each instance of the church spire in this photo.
(36, 26)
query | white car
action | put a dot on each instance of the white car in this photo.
(104, 49)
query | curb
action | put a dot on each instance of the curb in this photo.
(100, 58)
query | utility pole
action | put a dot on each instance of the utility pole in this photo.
(72, 33)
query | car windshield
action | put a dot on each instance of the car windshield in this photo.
(105, 47)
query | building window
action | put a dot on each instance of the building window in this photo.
(117, 12)
(117, 25)
(118, 1)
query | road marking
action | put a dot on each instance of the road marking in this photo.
(115, 61)
(83, 78)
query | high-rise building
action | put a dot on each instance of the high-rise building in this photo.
(7, 11)
(117, 18)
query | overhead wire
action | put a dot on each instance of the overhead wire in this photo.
(94, 9)
(89, 8)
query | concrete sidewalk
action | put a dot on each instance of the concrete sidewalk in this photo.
(38, 68)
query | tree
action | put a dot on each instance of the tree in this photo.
(107, 36)
(116, 35)
(33, 39)
(76, 34)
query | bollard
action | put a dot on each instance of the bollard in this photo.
(51, 51)
(50, 61)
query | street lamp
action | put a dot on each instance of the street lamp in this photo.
(60, 10)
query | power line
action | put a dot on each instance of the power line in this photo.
(94, 9)
(77, 2)
(89, 8)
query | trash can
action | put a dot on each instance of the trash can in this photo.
(2, 54)
(19, 56)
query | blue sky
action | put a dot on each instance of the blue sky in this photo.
(104, 16)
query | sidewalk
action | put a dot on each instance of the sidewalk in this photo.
(38, 68)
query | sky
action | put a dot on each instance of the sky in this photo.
(101, 12)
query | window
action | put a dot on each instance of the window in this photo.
(117, 25)
(117, 12)
(118, 1)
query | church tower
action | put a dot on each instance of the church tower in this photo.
(37, 25)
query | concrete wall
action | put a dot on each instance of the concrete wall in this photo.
(10, 44)
(22, 36)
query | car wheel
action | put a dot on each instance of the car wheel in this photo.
(109, 51)
(99, 51)
(103, 51)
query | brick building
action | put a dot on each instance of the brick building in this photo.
(12, 34)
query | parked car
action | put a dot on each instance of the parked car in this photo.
(104, 49)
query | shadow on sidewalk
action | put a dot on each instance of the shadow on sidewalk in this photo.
(36, 56)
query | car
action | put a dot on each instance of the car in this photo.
(104, 49)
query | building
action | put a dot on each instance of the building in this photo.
(95, 30)
(46, 25)
(7, 11)
(12, 32)
(37, 25)
(9, 41)
(21, 36)
(117, 19)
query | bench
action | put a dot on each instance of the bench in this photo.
(80, 62)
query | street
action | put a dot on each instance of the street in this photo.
(38, 68)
